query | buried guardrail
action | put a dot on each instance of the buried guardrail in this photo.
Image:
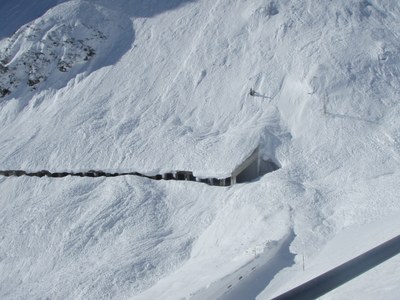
(336, 277)
(248, 170)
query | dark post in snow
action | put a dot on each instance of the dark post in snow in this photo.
(252, 92)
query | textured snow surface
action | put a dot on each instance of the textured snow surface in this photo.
(167, 89)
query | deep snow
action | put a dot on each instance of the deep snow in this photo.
(167, 89)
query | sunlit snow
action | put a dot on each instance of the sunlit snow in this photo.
(166, 87)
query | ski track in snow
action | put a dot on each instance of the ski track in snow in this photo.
(169, 87)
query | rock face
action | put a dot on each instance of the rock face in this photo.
(55, 43)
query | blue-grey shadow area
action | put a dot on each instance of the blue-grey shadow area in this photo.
(144, 8)
(335, 277)
(16, 13)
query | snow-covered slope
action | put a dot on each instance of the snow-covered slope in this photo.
(64, 40)
(166, 88)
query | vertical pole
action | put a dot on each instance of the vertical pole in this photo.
(258, 160)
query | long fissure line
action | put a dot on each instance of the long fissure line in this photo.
(178, 175)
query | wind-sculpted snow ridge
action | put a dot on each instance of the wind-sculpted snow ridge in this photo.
(56, 43)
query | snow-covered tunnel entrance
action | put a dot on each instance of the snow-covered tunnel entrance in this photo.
(253, 167)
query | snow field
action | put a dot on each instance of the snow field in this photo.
(143, 231)
(173, 94)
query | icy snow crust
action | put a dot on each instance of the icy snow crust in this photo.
(168, 90)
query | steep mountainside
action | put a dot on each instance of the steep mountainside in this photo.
(157, 86)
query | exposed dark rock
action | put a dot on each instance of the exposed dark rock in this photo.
(63, 66)
(34, 81)
(4, 92)
(272, 9)
(90, 52)
(3, 69)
